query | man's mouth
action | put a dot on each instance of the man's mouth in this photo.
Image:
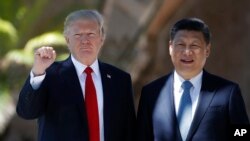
(187, 61)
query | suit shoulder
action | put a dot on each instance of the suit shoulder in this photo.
(157, 83)
(218, 80)
(215, 81)
(152, 90)
(113, 69)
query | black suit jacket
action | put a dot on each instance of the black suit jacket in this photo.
(220, 105)
(59, 105)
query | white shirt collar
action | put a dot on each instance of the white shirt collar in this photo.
(196, 81)
(81, 67)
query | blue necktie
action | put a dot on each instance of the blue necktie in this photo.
(185, 110)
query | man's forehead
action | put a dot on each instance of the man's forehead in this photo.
(189, 33)
(87, 24)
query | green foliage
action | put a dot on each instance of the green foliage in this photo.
(9, 8)
(3, 95)
(8, 36)
(27, 24)
(25, 56)
(19, 57)
(54, 39)
(17, 20)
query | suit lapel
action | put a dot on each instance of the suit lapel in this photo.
(106, 77)
(164, 111)
(69, 76)
(172, 120)
(205, 98)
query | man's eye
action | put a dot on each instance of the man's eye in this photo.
(180, 44)
(195, 47)
(91, 34)
(77, 35)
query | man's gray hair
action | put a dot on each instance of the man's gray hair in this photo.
(84, 15)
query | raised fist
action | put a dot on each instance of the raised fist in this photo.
(43, 58)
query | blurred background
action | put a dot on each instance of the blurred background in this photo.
(137, 42)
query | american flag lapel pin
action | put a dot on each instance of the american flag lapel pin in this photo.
(109, 76)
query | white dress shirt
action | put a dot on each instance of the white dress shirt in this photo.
(194, 91)
(96, 76)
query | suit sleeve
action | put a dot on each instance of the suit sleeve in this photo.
(237, 110)
(31, 103)
(144, 126)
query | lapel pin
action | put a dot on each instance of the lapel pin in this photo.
(109, 76)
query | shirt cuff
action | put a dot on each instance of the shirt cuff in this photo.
(36, 81)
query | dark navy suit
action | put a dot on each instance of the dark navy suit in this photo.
(59, 104)
(220, 105)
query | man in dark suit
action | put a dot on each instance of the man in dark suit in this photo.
(189, 103)
(80, 98)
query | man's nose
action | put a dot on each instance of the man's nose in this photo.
(84, 39)
(187, 51)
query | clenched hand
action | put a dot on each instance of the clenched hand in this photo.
(43, 58)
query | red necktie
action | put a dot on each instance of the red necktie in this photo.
(91, 107)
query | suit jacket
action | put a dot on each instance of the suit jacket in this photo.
(59, 104)
(220, 105)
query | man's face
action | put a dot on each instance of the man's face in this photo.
(188, 51)
(84, 40)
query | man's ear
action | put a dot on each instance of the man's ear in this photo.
(103, 39)
(66, 39)
(170, 47)
(208, 48)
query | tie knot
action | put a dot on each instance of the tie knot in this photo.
(88, 70)
(186, 85)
